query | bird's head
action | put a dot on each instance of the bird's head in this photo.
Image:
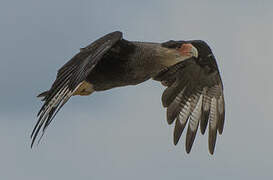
(205, 55)
(185, 48)
(188, 50)
(202, 48)
(197, 49)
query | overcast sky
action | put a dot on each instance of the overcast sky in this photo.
(123, 133)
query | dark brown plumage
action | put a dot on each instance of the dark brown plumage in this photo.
(194, 93)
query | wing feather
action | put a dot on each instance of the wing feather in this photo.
(69, 78)
(193, 124)
(221, 110)
(205, 111)
(174, 108)
(188, 105)
(181, 121)
(194, 96)
(213, 120)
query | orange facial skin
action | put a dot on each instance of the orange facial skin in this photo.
(186, 50)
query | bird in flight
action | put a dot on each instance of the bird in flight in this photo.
(194, 89)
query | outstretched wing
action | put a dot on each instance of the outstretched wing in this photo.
(194, 95)
(69, 79)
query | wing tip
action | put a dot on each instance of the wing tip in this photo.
(212, 141)
(178, 129)
(189, 141)
(43, 94)
(211, 152)
(221, 123)
(220, 130)
(211, 149)
(190, 137)
(203, 131)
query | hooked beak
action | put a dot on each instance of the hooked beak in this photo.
(188, 50)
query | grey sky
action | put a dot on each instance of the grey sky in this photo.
(123, 133)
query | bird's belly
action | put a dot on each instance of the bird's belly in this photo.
(104, 80)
